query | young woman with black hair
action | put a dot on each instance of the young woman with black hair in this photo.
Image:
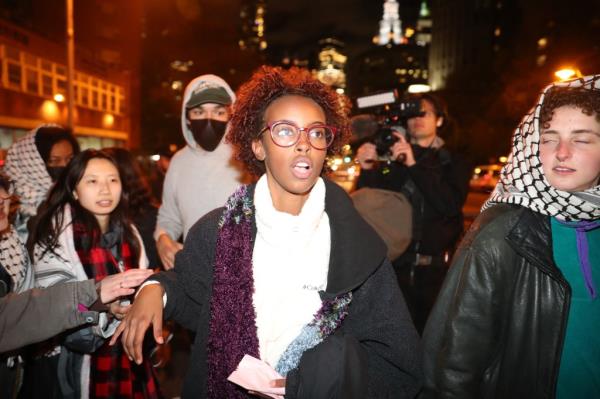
(143, 209)
(82, 231)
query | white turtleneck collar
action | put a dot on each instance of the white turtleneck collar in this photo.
(275, 226)
(290, 266)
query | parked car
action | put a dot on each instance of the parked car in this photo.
(485, 177)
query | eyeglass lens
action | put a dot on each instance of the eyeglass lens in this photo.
(285, 134)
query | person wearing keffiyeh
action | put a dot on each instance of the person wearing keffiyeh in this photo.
(34, 162)
(519, 313)
(15, 277)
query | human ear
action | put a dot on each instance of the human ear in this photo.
(259, 150)
(439, 122)
(75, 195)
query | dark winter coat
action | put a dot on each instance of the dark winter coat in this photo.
(374, 354)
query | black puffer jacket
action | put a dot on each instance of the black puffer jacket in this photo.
(497, 328)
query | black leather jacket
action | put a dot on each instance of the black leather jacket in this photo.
(498, 326)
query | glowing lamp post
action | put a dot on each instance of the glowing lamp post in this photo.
(567, 73)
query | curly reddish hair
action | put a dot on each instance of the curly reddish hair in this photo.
(587, 100)
(265, 86)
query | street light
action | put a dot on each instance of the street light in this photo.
(567, 73)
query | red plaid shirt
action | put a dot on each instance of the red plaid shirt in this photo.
(112, 375)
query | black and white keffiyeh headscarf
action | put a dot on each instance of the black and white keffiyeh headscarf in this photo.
(26, 168)
(14, 259)
(522, 179)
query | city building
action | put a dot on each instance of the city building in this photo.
(331, 64)
(512, 39)
(252, 23)
(33, 84)
(424, 23)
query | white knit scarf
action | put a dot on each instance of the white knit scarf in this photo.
(290, 265)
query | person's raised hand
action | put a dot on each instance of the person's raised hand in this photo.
(146, 310)
(121, 284)
(402, 151)
(167, 248)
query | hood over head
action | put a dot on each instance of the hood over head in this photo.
(203, 89)
(27, 169)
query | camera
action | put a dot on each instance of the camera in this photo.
(391, 115)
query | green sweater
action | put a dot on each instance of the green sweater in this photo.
(579, 375)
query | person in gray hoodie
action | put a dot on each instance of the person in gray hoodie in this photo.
(203, 174)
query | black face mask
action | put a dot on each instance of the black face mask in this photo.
(208, 132)
(55, 171)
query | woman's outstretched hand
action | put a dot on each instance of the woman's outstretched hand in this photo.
(122, 284)
(146, 309)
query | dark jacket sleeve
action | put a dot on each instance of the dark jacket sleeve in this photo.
(145, 222)
(38, 314)
(462, 332)
(374, 354)
(188, 284)
(444, 184)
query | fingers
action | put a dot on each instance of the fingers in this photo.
(134, 277)
(167, 248)
(402, 152)
(119, 292)
(157, 329)
(278, 383)
(117, 334)
(133, 338)
(168, 261)
(146, 310)
(122, 284)
(170, 254)
(119, 311)
(399, 135)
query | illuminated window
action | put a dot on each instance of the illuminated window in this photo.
(47, 86)
(85, 100)
(94, 96)
(27, 73)
(14, 75)
(32, 80)
(61, 85)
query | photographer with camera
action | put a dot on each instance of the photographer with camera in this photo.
(436, 184)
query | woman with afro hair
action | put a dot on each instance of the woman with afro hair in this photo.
(287, 271)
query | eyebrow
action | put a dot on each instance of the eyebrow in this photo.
(95, 175)
(579, 131)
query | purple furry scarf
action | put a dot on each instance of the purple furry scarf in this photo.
(233, 330)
